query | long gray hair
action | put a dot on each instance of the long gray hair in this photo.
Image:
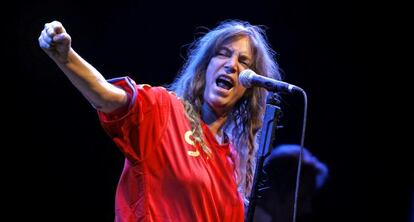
(245, 120)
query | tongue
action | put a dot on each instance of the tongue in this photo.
(223, 85)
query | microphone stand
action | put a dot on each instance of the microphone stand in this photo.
(272, 113)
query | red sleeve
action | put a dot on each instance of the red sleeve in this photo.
(137, 128)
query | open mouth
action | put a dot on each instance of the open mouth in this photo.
(224, 82)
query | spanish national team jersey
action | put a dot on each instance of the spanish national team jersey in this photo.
(166, 176)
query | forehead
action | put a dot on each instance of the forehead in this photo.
(242, 43)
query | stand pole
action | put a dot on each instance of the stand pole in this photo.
(266, 137)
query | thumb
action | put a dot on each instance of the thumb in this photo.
(61, 38)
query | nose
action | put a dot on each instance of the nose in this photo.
(231, 65)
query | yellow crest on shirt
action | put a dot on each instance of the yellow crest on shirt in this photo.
(189, 140)
(187, 137)
(193, 153)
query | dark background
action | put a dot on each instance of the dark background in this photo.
(66, 166)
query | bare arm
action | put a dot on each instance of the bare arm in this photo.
(56, 42)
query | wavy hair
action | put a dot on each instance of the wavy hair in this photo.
(245, 120)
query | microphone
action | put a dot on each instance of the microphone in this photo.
(249, 78)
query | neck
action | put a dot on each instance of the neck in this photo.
(214, 122)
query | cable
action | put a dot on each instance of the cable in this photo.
(302, 141)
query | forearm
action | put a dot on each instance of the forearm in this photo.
(101, 94)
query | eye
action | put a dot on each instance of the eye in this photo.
(245, 62)
(223, 52)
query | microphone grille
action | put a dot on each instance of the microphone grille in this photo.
(245, 77)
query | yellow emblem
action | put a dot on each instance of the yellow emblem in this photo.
(188, 139)
(193, 153)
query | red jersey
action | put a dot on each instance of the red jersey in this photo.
(166, 176)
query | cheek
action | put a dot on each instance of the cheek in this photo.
(212, 68)
(209, 73)
(240, 92)
(215, 63)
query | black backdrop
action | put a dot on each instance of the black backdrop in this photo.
(68, 168)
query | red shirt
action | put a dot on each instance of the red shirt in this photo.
(166, 177)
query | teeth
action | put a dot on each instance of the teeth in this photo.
(227, 79)
(224, 82)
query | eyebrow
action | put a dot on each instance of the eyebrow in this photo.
(242, 55)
